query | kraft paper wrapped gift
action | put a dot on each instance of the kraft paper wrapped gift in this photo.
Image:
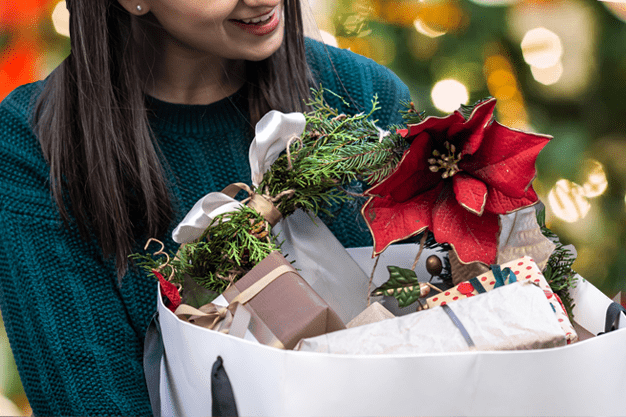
(375, 312)
(513, 317)
(287, 309)
(525, 269)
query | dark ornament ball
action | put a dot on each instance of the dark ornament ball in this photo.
(434, 265)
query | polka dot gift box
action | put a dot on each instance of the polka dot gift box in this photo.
(524, 269)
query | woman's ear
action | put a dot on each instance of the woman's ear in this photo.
(135, 7)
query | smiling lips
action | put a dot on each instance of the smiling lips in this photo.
(261, 25)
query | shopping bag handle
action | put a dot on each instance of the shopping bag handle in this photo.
(613, 316)
(222, 397)
(152, 354)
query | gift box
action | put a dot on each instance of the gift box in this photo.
(374, 313)
(516, 317)
(284, 308)
(524, 269)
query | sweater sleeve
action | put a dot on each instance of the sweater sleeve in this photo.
(356, 79)
(72, 328)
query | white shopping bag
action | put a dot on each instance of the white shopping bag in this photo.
(585, 378)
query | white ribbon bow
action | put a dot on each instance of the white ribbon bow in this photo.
(272, 134)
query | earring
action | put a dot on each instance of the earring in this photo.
(139, 8)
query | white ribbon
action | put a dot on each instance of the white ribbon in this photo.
(272, 134)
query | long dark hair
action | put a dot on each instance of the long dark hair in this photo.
(92, 123)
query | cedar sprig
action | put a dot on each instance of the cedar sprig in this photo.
(230, 247)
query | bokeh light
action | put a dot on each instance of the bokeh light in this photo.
(503, 84)
(568, 202)
(541, 48)
(448, 95)
(596, 183)
(548, 76)
(563, 54)
(61, 19)
(424, 29)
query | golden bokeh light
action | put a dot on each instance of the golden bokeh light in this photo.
(61, 19)
(502, 84)
(424, 29)
(377, 48)
(542, 48)
(449, 94)
(568, 202)
(596, 183)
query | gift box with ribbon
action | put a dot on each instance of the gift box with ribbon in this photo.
(523, 269)
(273, 302)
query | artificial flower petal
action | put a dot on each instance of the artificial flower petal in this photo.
(470, 193)
(472, 131)
(390, 221)
(475, 238)
(403, 184)
(432, 124)
(168, 290)
(506, 159)
(499, 203)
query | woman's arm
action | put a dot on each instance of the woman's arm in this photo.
(76, 334)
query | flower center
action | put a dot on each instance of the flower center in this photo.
(445, 162)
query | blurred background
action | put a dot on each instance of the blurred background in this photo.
(556, 67)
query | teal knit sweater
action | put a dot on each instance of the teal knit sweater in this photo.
(76, 334)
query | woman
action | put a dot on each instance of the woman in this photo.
(154, 108)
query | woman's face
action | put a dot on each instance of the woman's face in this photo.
(230, 29)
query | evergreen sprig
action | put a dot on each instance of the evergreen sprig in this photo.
(334, 150)
(411, 115)
(558, 272)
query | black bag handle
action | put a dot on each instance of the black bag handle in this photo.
(613, 316)
(222, 397)
(152, 354)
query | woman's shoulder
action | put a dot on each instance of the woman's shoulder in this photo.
(16, 111)
(22, 165)
(357, 79)
(21, 100)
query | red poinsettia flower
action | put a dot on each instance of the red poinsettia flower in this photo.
(455, 179)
